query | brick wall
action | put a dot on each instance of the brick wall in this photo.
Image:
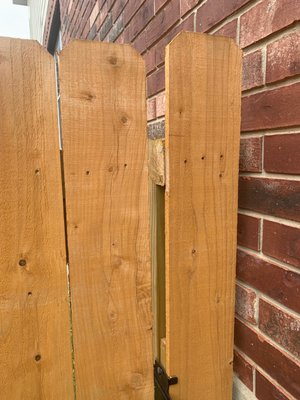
(267, 333)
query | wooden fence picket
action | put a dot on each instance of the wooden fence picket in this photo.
(105, 164)
(35, 347)
(202, 147)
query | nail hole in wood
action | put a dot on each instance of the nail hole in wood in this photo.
(37, 171)
(29, 294)
(125, 165)
(37, 358)
(22, 263)
(203, 158)
(185, 161)
(87, 172)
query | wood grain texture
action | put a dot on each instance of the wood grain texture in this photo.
(35, 348)
(156, 163)
(105, 159)
(202, 145)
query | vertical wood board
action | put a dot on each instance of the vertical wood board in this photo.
(35, 348)
(105, 162)
(202, 148)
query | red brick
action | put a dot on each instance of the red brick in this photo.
(248, 231)
(118, 8)
(282, 242)
(162, 22)
(212, 12)
(250, 155)
(245, 304)
(156, 82)
(187, 5)
(277, 197)
(283, 328)
(158, 4)
(280, 284)
(267, 17)
(141, 19)
(282, 154)
(186, 25)
(283, 58)
(139, 43)
(94, 13)
(278, 108)
(149, 58)
(229, 30)
(243, 369)
(160, 105)
(252, 70)
(131, 8)
(265, 390)
(277, 364)
(101, 17)
(151, 109)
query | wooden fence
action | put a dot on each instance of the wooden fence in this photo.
(76, 297)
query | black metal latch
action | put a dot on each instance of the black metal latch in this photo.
(162, 382)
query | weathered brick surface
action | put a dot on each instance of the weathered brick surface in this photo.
(149, 58)
(131, 9)
(267, 17)
(118, 8)
(248, 231)
(282, 242)
(283, 328)
(158, 4)
(282, 154)
(163, 21)
(151, 109)
(277, 197)
(279, 283)
(212, 12)
(277, 364)
(229, 30)
(160, 104)
(265, 390)
(277, 108)
(186, 25)
(252, 70)
(141, 19)
(245, 304)
(250, 155)
(156, 82)
(283, 58)
(243, 369)
(156, 130)
(187, 5)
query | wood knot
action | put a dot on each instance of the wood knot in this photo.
(113, 60)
